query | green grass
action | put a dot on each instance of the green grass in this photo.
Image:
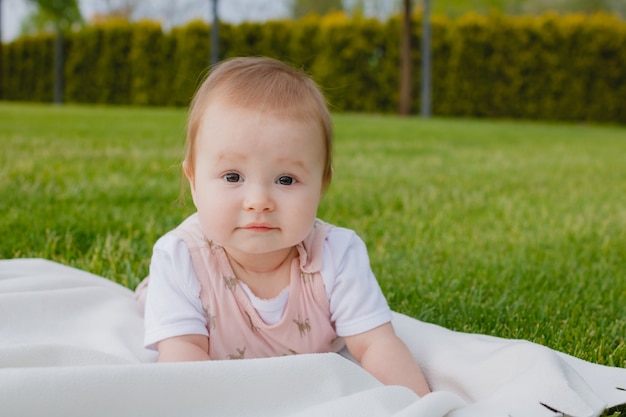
(513, 229)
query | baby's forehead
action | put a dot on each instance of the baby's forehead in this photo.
(299, 108)
(227, 113)
(242, 136)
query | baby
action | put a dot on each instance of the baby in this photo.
(253, 273)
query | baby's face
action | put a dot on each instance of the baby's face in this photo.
(257, 181)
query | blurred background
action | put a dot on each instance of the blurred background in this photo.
(20, 16)
(525, 59)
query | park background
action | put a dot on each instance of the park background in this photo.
(546, 66)
(503, 213)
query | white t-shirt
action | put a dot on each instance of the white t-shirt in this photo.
(173, 306)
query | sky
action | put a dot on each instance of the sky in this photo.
(177, 12)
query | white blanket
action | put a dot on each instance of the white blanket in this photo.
(71, 345)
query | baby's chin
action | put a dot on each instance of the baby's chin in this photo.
(259, 249)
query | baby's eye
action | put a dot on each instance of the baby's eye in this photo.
(232, 177)
(286, 180)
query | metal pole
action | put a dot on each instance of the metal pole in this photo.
(426, 67)
(58, 66)
(406, 67)
(215, 35)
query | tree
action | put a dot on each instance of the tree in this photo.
(58, 16)
(406, 66)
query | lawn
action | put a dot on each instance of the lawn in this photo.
(515, 229)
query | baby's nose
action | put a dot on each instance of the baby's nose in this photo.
(258, 198)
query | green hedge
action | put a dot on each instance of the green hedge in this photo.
(112, 69)
(150, 62)
(28, 69)
(546, 67)
(81, 65)
(189, 62)
(352, 64)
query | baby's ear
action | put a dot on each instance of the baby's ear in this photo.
(188, 170)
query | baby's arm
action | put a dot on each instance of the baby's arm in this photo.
(174, 319)
(385, 356)
(192, 347)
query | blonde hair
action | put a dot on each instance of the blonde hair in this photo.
(263, 84)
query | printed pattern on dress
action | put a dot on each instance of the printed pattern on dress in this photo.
(303, 326)
(230, 283)
(241, 354)
(210, 318)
